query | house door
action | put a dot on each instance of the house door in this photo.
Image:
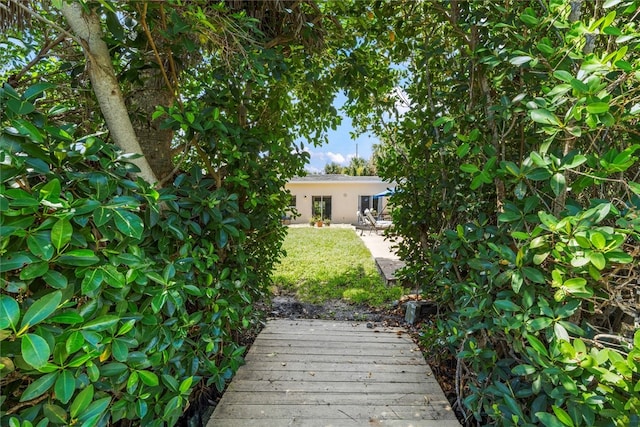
(321, 206)
(365, 203)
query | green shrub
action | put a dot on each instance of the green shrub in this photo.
(531, 306)
(117, 300)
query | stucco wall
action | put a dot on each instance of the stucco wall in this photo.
(345, 198)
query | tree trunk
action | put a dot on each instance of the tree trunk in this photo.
(142, 101)
(105, 85)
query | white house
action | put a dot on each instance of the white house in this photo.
(337, 197)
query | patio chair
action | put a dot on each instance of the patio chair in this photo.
(363, 223)
(376, 224)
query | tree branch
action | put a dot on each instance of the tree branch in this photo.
(43, 19)
(39, 56)
(105, 84)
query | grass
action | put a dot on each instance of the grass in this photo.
(327, 263)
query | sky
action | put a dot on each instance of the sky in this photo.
(340, 148)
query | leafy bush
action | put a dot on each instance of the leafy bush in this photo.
(517, 170)
(118, 300)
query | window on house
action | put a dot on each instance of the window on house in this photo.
(322, 206)
(292, 202)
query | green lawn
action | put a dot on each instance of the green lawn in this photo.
(331, 263)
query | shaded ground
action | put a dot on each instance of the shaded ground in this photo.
(286, 306)
(289, 307)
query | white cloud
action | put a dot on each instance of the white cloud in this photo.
(336, 157)
(312, 169)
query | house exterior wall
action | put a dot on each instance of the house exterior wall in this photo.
(345, 198)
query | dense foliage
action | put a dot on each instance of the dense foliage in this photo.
(516, 162)
(357, 167)
(121, 300)
(114, 306)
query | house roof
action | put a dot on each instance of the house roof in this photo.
(336, 178)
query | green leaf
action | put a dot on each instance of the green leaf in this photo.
(172, 383)
(55, 279)
(563, 416)
(19, 107)
(579, 85)
(598, 240)
(113, 277)
(65, 386)
(9, 312)
(540, 323)
(523, 370)
(34, 270)
(520, 60)
(82, 401)
(74, 342)
(35, 350)
(548, 420)
(575, 283)
(185, 385)
(120, 350)
(560, 332)
(469, 168)
(61, 233)
(101, 323)
(79, 258)
(558, 183)
(133, 382)
(68, 318)
(173, 407)
(546, 117)
(113, 369)
(634, 186)
(95, 409)
(39, 387)
(563, 75)
(92, 280)
(34, 91)
(128, 223)
(597, 259)
(40, 245)
(516, 281)
(598, 107)
(102, 215)
(54, 413)
(537, 345)
(618, 257)
(51, 191)
(533, 274)
(538, 174)
(506, 305)
(13, 262)
(41, 309)
(149, 378)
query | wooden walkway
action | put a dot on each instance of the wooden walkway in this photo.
(328, 373)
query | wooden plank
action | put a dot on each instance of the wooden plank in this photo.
(345, 350)
(324, 373)
(332, 366)
(331, 358)
(324, 398)
(337, 338)
(304, 422)
(267, 386)
(332, 412)
(341, 376)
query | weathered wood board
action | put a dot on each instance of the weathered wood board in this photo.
(327, 373)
